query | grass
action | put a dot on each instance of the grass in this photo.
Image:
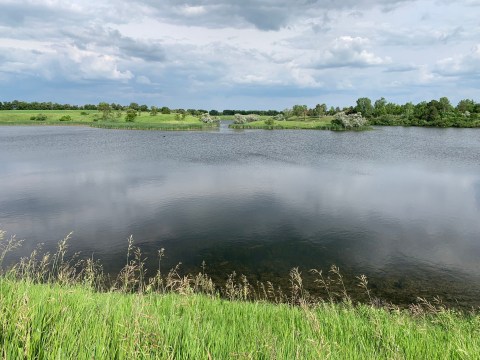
(53, 321)
(294, 123)
(90, 118)
(51, 307)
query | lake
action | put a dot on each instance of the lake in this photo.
(401, 205)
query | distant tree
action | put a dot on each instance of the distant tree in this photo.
(165, 110)
(466, 105)
(408, 110)
(300, 110)
(105, 110)
(134, 106)
(444, 106)
(432, 112)
(131, 115)
(153, 111)
(420, 111)
(143, 108)
(379, 108)
(287, 113)
(331, 111)
(320, 110)
(214, 113)
(364, 106)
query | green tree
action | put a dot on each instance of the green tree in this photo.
(287, 113)
(380, 107)
(364, 106)
(165, 110)
(300, 110)
(105, 109)
(320, 110)
(153, 111)
(466, 105)
(131, 115)
(408, 110)
(444, 106)
(432, 112)
(134, 106)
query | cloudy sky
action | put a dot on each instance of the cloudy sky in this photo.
(223, 54)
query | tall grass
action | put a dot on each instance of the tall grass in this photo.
(59, 306)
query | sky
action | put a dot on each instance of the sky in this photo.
(239, 54)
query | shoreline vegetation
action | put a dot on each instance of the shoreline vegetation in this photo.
(92, 118)
(436, 113)
(59, 306)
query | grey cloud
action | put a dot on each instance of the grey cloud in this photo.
(264, 15)
(401, 68)
(16, 14)
(126, 46)
(421, 37)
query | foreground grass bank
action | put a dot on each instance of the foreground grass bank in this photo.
(144, 121)
(52, 321)
(55, 308)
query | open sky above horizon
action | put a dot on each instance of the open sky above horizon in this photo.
(230, 54)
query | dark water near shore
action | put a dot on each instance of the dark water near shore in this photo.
(401, 205)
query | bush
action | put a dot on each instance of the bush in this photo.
(66, 118)
(270, 122)
(131, 115)
(240, 119)
(83, 113)
(350, 121)
(39, 117)
(207, 119)
(243, 119)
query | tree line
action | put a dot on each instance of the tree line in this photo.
(380, 112)
(35, 105)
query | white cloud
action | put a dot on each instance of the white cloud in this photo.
(192, 10)
(348, 51)
(461, 64)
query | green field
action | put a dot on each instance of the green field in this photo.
(91, 118)
(293, 123)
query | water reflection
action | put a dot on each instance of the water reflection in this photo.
(390, 203)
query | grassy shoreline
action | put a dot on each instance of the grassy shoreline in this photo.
(51, 307)
(59, 321)
(91, 118)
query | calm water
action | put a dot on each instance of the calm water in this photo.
(401, 205)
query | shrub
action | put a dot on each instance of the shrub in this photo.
(270, 122)
(243, 119)
(131, 115)
(66, 118)
(240, 119)
(349, 121)
(252, 117)
(83, 113)
(208, 119)
(39, 117)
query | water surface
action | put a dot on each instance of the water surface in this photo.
(401, 205)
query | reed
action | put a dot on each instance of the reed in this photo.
(61, 306)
